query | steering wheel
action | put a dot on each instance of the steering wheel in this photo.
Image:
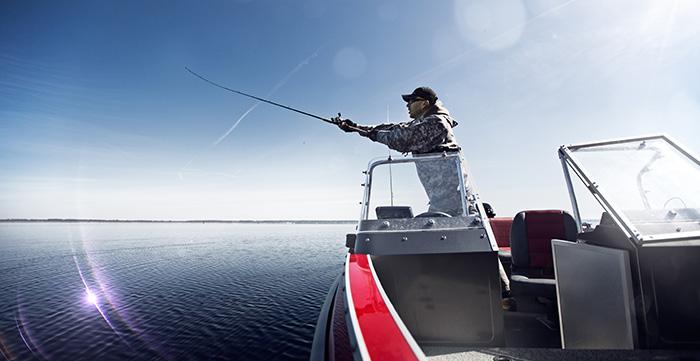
(675, 199)
(432, 214)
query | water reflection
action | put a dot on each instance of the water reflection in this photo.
(176, 291)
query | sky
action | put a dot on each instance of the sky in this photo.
(100, 119)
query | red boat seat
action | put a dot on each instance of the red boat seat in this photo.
(501, 231)
(531, 237)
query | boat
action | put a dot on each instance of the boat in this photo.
(622, 286)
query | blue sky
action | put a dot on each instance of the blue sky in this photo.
(99, 119)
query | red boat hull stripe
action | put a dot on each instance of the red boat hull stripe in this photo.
(380, 333)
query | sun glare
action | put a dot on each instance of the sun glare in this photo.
(91, 298)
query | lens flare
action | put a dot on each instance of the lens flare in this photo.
(91, 298)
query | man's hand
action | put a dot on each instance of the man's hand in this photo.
(346, 125)
(349, 126)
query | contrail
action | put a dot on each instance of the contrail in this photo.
(277, 86)
(274, 89)
(221, 138)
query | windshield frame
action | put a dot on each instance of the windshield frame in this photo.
(422, 158)
(570, 162)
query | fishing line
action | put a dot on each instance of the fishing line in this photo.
(391, 178)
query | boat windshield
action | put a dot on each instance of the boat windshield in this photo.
(425, 184)
(651, 181)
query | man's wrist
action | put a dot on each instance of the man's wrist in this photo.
(371, 134)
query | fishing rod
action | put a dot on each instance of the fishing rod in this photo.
(265, 100)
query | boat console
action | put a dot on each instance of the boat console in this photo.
(439, 268)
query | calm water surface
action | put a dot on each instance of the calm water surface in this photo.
(164, 291)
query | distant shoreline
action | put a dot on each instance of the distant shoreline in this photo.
(71, 220)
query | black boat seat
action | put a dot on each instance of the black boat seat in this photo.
(531, 237)
(389, 212)
(538, 287)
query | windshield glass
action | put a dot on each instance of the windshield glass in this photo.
(650, 181)
(424, 185)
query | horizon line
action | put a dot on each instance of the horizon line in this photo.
(95, 220)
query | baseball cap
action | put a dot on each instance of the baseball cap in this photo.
(423, 92)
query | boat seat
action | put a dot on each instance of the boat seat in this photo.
(501, 231)
(532, 264)
(388, 212)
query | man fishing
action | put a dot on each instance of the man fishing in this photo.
(429, 131)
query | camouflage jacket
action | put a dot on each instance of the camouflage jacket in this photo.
(430, 133)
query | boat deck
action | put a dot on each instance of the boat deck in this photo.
(527, 338)
(538, 354)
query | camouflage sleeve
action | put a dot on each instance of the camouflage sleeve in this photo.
(420, 138)
(386, 126)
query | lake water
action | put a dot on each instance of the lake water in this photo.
(164, 291)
